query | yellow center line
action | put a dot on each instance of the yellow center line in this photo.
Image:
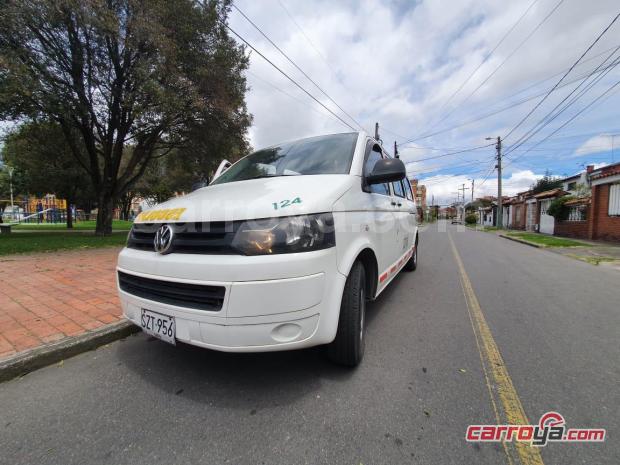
(510, 407)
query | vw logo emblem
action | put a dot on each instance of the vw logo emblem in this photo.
(163, 239)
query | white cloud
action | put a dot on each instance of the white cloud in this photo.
(444, 187)
(600, 143)
(399, 62)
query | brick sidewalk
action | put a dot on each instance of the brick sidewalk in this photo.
(46, 297)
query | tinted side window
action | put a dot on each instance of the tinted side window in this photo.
(398, 189)
(408, 193)
(373, 157)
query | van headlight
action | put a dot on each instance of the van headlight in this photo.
(290, 234)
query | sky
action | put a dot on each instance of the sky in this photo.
(447, 74)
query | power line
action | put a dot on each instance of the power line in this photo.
(569, 120)
(485, 59)
(505, 108)
(288, 77)
(302, 102)
(583, 62)
(447, 177)
(453, 153)
(438, 168)
(562, 78)
(550, 117)
(544, 20)
(502, 63)
(296, 66)
(288, 13)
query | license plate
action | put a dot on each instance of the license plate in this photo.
(158, 325)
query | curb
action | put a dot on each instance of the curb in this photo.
(521, 241)
(31, 360)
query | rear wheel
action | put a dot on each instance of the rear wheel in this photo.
(348, 346)
(412, 263)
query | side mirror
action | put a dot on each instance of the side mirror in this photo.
(224, 165)
(387, 170)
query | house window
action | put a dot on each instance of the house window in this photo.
(614, 200)
(577, 213)
(572, 186)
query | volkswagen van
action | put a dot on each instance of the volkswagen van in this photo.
(281, 251)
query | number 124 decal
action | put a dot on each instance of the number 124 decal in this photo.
(285, 203)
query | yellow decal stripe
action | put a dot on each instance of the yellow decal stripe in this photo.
(492, 362)
(166, 214)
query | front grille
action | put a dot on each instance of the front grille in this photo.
(199, 238)
(196, 296)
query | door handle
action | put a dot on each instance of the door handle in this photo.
(399, 204)
(393, 203)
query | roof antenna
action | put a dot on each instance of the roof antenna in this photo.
(376, 131)
(396, 155)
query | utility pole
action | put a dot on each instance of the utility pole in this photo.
(462, 209)
(463, 189)
(472, 190)
(500, 213)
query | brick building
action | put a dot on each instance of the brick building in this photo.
(604, 221)
(419, 192)
(594, 212)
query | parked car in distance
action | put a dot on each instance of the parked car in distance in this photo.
(281, 251)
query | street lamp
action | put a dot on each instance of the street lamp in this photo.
(10, 170)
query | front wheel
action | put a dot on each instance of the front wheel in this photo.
(348, 346)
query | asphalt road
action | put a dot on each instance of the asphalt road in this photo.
(556, 322)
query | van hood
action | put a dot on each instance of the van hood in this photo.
(255, 198)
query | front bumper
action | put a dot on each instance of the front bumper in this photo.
(271, 302)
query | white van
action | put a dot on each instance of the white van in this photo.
(279, 252)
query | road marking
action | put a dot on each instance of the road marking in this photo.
(492, 362)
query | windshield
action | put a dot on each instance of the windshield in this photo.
(316, 155)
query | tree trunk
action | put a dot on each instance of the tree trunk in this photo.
(125, 205)
(105, 211)
(69, 215)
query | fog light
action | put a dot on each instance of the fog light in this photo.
(286, 332)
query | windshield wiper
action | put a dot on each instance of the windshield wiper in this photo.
(270, 176)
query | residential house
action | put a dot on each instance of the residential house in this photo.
(604, 221)
(546, 223)
(518, 210)
(594, 212)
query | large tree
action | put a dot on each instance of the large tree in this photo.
(17, 180)
(546, 183)
(40, 152)
(155, 75)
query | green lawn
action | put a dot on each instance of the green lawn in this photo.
(478, 227)
(547, 241)
(25, 242)
(117, 225)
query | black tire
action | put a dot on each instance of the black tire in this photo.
(412, 263)
(348, 346)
